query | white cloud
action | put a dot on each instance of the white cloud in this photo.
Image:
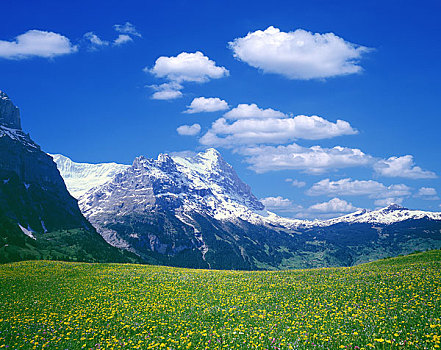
(349, 187)
(300, 54)
(122, 39)
(273, 130)
(166, 95)
(193, 67)
(280, 204)
(314, 159)
(402, 167)
(427, 193)
(127, 28)
(167, 91)
(95, 40)
(189, 130)
(126, 31)
(204, 104)
(332, 208)
(296, 183)
(335, 205)
(388, 201)
(244, 110)
(36, 43)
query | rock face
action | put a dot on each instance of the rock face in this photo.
(9, 114)
(196, 212)
(38, 216)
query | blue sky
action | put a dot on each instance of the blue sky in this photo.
(88, 89)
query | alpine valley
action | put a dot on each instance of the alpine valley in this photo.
(178, 211)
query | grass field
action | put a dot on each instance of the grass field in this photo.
(390, 304)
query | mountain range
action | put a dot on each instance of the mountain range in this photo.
(196, 212)
(179, 211)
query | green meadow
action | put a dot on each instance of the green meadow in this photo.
(389, 304)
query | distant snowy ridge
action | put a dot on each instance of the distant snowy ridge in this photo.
(204, 183)
(388, 215)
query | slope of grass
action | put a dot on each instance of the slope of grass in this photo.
(394, 303)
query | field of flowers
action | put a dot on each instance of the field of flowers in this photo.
(390, 304)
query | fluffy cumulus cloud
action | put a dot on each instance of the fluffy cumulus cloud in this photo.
(313, 159)
(244, 110)
(187, 67)
(36, 43)
(300, 54)
(127, 28)
(335, 205)
(273, 130)
(349, 187)
(167, 91)
(427, 193)
(189, 130)
(206, 104)
(402, 167)
(251, 130)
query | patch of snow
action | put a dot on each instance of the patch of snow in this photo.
(27, 231)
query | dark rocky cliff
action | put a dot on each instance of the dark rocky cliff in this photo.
(39, 219)
(9, 114)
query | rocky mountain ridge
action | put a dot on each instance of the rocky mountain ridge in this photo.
(191, 211)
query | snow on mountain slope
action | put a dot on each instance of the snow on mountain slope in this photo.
(204, 183)
(81, 177)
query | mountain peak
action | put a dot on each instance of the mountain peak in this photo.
(138, 161)
(210, 156)
(394, 206)
(212, 152)
(9, 113)
(164, 158)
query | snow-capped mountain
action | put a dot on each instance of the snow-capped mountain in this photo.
(193, 211)
(204, 184)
